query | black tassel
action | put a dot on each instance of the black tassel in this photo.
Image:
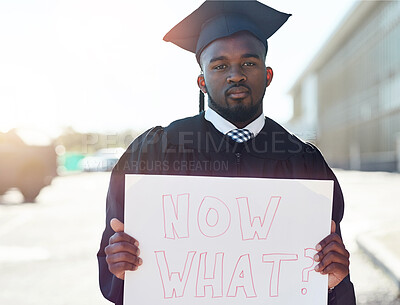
(201, 102)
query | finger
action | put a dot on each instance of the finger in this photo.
(124, 257)
(333, 227)
(332, 247)
(333, 237)
(119, 269)
(338, 270)
(117, 225)
(332, 258)
(122, 247)
(122, 237)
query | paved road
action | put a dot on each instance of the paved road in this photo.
(48, 248)
(372, 205)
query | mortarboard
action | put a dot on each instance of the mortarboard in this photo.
(218, 19)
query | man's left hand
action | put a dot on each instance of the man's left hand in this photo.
(333, 258)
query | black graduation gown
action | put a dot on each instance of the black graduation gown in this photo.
(192, 146)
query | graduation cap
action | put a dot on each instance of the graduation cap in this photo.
(218, 19)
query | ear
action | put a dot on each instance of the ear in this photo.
(270, 75)
(201, 83)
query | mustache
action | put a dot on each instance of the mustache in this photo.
(237, 86)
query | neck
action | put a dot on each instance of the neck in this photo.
(244, 124)
(240, 124)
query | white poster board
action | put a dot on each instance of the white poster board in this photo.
(210, 240)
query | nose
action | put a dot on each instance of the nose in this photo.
(236, 75)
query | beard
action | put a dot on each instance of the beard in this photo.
(238, 113)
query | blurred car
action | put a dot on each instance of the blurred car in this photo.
(101, 161)
(28, 161)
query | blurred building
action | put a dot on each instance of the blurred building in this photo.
(349, 96)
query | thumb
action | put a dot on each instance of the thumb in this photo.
(117, 225)
(333, 227)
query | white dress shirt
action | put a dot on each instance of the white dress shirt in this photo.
(224, 126)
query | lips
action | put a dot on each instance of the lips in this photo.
(237, 92)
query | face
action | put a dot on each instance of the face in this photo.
(235, 77)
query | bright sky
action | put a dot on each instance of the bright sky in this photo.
(102, 66)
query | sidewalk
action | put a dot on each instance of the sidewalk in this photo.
(383, 248)
(372, 215)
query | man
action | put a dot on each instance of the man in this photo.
(229, 39)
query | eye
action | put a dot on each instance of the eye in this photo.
(249, 64)
(220, 67)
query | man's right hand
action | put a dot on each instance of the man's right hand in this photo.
(122, 252)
